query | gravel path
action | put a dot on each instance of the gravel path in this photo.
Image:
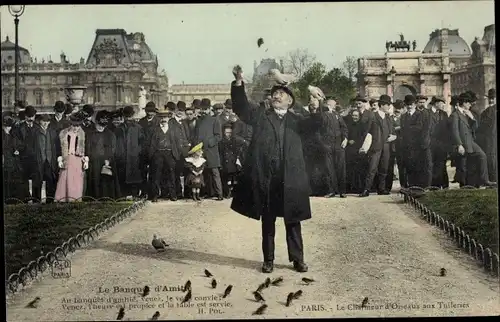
(356, 247)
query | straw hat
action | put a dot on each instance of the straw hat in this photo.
(196, 148)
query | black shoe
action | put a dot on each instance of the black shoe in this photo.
(173, 198)
(300, 267)
(342, 195)
(219, 198)
(154, 199)
(267, 267)
(383, 192)
(490, 184)
(365, 193)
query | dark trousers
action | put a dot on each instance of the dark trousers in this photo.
(460, 169)
(293, 239)
(476, 167)
(163, 166)
(403, 176)
(187, 192)
(415, 166)
(378, 163)
(336, 170)
(439, 174)
(49, 177)
(179, 172)
(491, 158)
(145, 174)
(214, 182)
(427, 168)
(389, 179)
(228, 182)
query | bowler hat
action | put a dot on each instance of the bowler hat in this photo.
(398, 104)
(44, 117)
(59, 107)
(164, 113)
(30, 111)
(77, 117)
(69, 108)
(228, 103)
(492, 93)
(101, 115)
(465, 98)
(205, 103)
(384, 100)
(128, 111)
(454, 100)
(421, 97)
(20, 105)
(218, 106)
(196, 103)
(409, 99)
(150, 107)
(8, 121)
(285, 89)
(360, 98)
(171, 106)
(181, 105)
(472, 96)
(117, 114)
(88, 110)
(438, 99)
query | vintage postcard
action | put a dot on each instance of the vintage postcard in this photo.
(249, 161)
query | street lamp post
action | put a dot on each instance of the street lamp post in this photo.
(16, 12)
(393, 76)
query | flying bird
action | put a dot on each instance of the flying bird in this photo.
(207, 273)
(158, 243)
(121, 313)
(187, 297)
(145, 292)
(214, 283)
(155, 316)
(289, 298)
(316, 92)
(307, 280)
(260, 42)
(267, 282)
(279, 78)
(260, 310)
(227, 291)
(365, 301)
(34, 303)
(258, 297)
(277, 281)
(442, 271)
(187, 286)
(297, 295)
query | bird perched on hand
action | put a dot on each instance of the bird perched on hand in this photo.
(316, 92)
(158, 243)
(34, 303)
(279, 78)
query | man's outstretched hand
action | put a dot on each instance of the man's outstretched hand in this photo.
(238, 74)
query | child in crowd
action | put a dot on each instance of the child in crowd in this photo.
(195, 163)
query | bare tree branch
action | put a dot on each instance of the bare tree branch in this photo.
(350, 65)
(298, 61)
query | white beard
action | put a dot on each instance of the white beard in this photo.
(281, 112)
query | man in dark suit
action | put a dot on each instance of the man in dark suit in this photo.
(274, 181)
(487, 134)
(464, 126)
(395, 157)
(58, 121)
(148, 122)
(425, 156)
(333, 139)
(439, 141)
(381, 133)
(365, 114)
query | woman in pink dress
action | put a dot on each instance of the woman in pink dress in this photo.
(72, 162)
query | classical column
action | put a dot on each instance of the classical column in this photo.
(422, 84)
(446, 88)
(389, 86)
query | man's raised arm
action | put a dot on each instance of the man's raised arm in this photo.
(241, 105)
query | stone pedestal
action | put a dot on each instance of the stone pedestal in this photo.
(74, 95)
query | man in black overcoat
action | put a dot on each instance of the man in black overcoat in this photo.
(381, 133)
(487, 134)
(464, 126)
(439, 141)
(147, 123)
(58, 120)
(274, 182)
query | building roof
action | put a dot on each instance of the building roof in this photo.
(266, 65)
(458, 47)
(9, 45)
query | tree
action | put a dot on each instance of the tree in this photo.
(298, 61)
(350, 65)
(312, 76)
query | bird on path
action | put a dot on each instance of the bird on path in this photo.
(279, 78)
(121, 313)
(214, 283)
(260, 310)
(277, 281)
(158, 243)
(289, 298)
(365, 301)
(261, 287)
(187, 286)
(258, 297)
(155, 316)
(297, 295)
(316, 92)
(207, 273)
(187, 297)
(442, 272)
(34, 303)
(145, 292)
(307, 280)
(267, 282)
(227, 291)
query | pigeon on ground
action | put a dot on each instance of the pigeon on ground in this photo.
(207, 273)
(277, 281)
(158, 243)
(258, 297)
(442, 271)
(187, 286)
(187, 297)
(260, 310)
(307, 280)
(267, 282)
(227, 291)
(289, 298)
(155, 316)
(297, 295)
(365, 301)
(145, 292)
(214, 283)
(279, 78)
(316, 92)
(121, 313)
(260, 42)
(34, 303)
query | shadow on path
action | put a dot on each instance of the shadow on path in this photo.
(177, 255)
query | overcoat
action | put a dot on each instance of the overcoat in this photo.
(487, 131)
(252, 194)
(134, 139)
(208, 131)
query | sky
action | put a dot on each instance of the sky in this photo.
(200, 43)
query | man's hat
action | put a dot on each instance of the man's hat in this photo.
(21, 115)
(77, 117)
(285, 89)
(88, 110)
(164, 113)
(205, 103)
(384, 100)
(171, 106)
(472, 95)
(150, 107)
(44, 117)
(69, 108)
(8, 121)
(59, 107)
(196, 148)
(228, 103)
(465, 98)
(101, 115)
(360, 98)
(454, 100)
(128, 111)
(117, 114)
(227, 125)
(438, 99)
(181, 105)
(196, 103)
(421, 97)
(398, 104)
(409, 99)
(29, 111)
(218, 106)
(20, 105)
(267, 91)
(372, 101)
(492, 93)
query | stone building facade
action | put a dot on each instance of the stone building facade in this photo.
(217, 93)
(117, 65)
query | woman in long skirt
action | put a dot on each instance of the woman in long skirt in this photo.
(73, 161)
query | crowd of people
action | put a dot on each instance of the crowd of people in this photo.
(197, 151)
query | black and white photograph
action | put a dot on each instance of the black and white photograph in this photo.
(249, 160)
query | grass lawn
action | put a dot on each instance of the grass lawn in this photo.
(474, 211)
(33, 229)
